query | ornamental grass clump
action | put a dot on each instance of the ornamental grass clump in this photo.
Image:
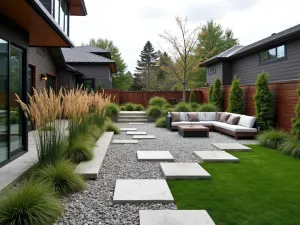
(110, 126)
(183, 107)
(153, 112)
(33, 203)
(138, 107)
(61, 177)
(45, 110)
(157, 101)
(210, 107)
(161, 122)
(272, 138)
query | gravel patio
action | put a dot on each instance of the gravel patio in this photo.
(95, 206)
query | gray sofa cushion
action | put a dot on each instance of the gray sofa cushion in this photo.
(192, 116)
(224, 117)
(233, 120)
(210, 116)
(175, 117)
(247, 121)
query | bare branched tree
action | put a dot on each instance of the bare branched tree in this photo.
(182, 48)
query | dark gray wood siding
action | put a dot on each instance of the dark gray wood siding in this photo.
(101, 73)
(212, 76)
(44, 64)
(248, 67)
(47, 4)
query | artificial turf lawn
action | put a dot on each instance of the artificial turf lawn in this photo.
(263, 189)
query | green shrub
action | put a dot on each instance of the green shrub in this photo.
(112, 110)
(61, 177)
(182, 107)
(154, 112)
(122, 108)
(95, 132)
(161, 122)
(211, 91)
(129, 107)
(296, 120)
(236, 102)
(14, 118)
(272, 138)
(194, 106)
(31, 204)
(110, 126)
(210, 107)
(218, 94)
(82, 149)
(99, 86)
(157, 101)
(192, 97)
(167, 106)
(264, 105)
(138, 107)
(291, 147)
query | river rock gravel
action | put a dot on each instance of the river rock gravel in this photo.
(95, 206)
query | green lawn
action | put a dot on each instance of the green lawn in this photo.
(263, 189)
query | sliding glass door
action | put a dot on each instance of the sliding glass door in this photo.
(16, 87)
(12, 82)
(3, 100)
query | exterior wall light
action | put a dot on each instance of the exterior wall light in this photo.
(44, 76)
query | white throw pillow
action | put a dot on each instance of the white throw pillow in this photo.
(201, 116)
(210, 116)
(247, 121)
(183, 116)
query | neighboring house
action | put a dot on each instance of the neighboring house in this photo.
(94, 64)
(278, 55)
(31, 35)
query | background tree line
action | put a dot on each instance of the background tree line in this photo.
(175, 69)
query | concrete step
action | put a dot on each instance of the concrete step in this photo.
(127, 116)
(132, 113)
(132, 120)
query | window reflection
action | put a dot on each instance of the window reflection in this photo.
(3, 100)
(61, 13)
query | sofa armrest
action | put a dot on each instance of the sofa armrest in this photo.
(169, 122)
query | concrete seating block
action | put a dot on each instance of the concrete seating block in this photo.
(142, 191)
(90, 169)
(183, 171)
(215, 156)
(175, 217)
(128, 129)
(136, 123)
(233, 147)
(155, 156)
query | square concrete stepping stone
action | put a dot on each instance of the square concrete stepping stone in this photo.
(136, 123)
(143, 137)
(128, 129)
(142, 191)
(234, 147)
(183, 171)
(136, 132)
(175, 217)
(125, 141)
(215, 156)
(155, 156)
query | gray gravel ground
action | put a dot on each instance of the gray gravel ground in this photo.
(94, 205)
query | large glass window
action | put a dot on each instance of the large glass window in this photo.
(61, 14)
(16, 87)
(3, 100)
(211, 69)
(272, 54)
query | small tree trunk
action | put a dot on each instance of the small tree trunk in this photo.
(184, 93)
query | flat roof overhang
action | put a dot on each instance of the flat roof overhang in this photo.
(77, 8)
(32, 16)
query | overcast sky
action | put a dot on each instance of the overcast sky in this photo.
(130, 23)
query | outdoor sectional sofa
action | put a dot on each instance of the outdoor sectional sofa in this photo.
(243, 126)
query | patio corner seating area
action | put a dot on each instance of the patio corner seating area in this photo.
(232, 124)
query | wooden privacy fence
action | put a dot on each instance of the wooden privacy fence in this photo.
(143, 97)
(285, 100)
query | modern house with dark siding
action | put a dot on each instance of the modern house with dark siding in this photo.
(32, 33)
(278, 55)
(94, 65)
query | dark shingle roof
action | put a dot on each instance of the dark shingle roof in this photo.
(73, 55)
(92, 49)
(295, 30)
